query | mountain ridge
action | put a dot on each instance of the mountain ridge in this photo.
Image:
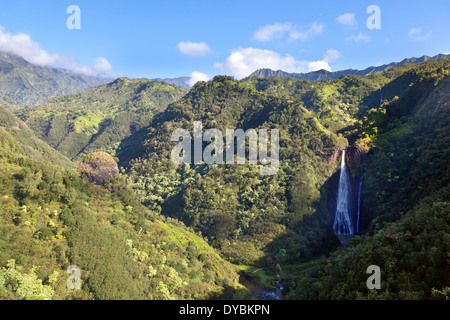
(26, 140)
(101, 116)
(324, 74)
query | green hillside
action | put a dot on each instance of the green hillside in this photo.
(278, 221)
(241, 212)
(339, 103)
(164, 231)
(51, 218)
(100, 118)
(24, 141)
(324, 74)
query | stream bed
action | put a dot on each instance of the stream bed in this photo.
(261, 293)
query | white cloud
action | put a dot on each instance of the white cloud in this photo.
(271, 31)
(347, 19)
(195, 49)
(315, 29)
(360, 37)
(196, 77)
(416, 34)
(101, 65)
(243, 61)
(21, 44)
(332, 55)
(277, 30)
(318, 65)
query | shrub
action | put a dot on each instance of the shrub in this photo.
(44, 233)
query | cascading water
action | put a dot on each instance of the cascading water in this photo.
(381, 98)
(343, 223)
(359, 203)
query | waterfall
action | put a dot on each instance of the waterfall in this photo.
(381, 98)
(359, 203)
(343, 223)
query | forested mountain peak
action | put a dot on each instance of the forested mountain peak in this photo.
(100, 118)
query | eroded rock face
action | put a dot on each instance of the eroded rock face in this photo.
(99, 167)
(357, 153)
(334, 156)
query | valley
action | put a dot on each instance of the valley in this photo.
(191, 230)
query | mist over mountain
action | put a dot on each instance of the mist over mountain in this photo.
(180, 81)
(29, 84)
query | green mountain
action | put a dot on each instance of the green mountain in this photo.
(164, 231)
(406, 199)
(28, 84)
(51, 218)
(395, 125)
(100, 118)
(180, 81)
(324, 74)
(342, 102)
(240, 211)
(23, 139)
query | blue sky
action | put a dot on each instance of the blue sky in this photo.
(176, 38)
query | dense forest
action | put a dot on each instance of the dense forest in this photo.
(87, 180)
(52, 218)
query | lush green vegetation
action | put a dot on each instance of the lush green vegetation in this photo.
(52, 218)
(278, 221)
(407, 176)
(25, 141)
(324, 74)
(156, 230)
(100, 118)
(342, 102)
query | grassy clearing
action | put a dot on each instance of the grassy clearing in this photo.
(258, 275)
